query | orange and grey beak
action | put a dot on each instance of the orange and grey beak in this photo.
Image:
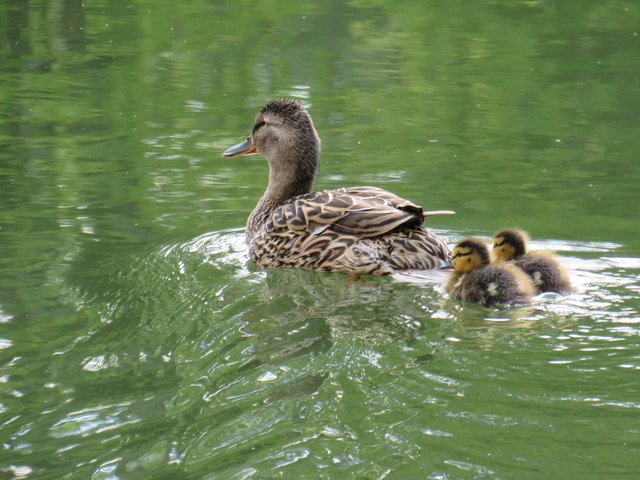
(244, 148)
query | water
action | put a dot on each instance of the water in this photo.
(138, 341)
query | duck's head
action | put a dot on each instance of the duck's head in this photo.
(283, 131)
(469, 254)
(509, 244)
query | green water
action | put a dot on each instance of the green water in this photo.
(138, 342)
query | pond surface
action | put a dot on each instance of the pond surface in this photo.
(138, 341)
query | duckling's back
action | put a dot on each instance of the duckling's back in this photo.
(491, 285)
(546, 272)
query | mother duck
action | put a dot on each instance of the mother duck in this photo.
(357, 230)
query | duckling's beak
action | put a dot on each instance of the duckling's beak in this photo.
(446, 265)
(244, 148)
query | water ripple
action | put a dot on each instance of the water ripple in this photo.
(295, 371)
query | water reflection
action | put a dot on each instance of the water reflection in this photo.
(236, 366)
(96, 420)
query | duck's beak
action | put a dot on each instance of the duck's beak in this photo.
(244, 148)
(446, 265)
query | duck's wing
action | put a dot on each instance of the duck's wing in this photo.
(357, 211)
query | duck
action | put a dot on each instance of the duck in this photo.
(546, 272)
(359, 230)
(475, 279)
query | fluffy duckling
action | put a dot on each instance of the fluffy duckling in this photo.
(358, 230)
(544, 268)
(475, 279)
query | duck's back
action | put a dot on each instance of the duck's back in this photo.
(545, 271)
(360, 230)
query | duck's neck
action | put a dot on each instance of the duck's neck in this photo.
(289, 177)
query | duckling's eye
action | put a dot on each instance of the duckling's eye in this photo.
(498, 244)
(459, 254)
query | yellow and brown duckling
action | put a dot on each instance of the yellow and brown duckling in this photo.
(358, 230)
(475, 279)
(546, 272)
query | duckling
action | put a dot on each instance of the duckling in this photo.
(475, 279)
(545, 270)
(357, 230)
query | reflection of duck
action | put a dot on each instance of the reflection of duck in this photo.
(543, 268)
(358, 230)
(474, 279)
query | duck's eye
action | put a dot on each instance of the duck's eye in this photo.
(258, 125)
(498, 244)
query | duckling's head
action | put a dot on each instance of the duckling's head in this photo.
(509, 244)
(282, 129)
(469, 254)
